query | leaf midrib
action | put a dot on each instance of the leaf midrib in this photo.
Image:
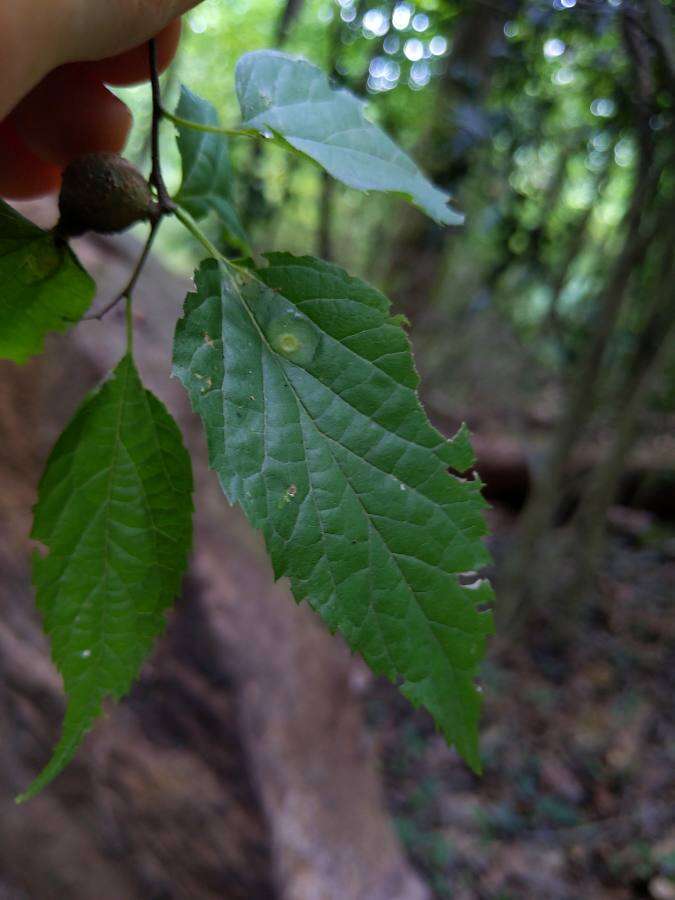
(237, 293)
(105, 511)
(302, 409)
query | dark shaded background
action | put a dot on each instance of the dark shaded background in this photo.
(547, 324)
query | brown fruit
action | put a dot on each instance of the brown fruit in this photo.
(104, 193)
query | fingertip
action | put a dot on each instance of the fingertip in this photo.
(70, 113)
(23, 175)
(133, 67)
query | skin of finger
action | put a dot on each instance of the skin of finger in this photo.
(103, 29)
(133, 67)
(33, 44)
(39, 35)
(61, 30)
(69, 114)
(22, 175)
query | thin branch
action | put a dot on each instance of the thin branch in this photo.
(166, 204)
(125, 294)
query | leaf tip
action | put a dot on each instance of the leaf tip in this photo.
(476, 765)
(453, 217)
(36, 786)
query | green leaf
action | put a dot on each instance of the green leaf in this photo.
(43, 287)
(293, 101)
(307, 390)
(115, 512)
(207, 171)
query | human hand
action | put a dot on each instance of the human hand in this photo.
(59, 54)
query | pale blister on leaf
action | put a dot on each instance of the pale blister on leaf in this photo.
(293, 101)
(43, 287)
(114, 511)
(307, 390)
(207, 184)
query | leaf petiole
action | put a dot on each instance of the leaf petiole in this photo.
(210, 129)
(129, 322)
(135, 275)
(188, 222)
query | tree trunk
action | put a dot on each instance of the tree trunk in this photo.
(653, 345)
(417, 250)
(286, 20)
(527, 579)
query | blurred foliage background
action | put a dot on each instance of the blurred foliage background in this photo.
(545, 320)
(547, 323)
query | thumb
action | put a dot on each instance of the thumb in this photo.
(99, 30)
